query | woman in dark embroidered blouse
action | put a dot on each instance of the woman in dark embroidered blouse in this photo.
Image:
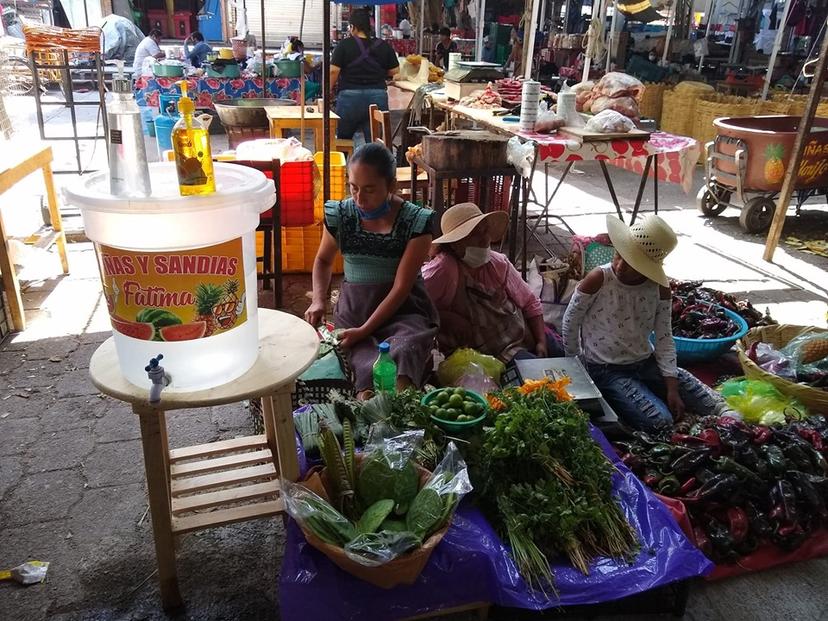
(384, 242)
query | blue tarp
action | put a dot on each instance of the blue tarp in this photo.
(472, 564)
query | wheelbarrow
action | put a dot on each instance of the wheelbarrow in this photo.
(748, 160)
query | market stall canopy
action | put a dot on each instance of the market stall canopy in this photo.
(640, 11)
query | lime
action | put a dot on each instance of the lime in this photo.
(441, 413)
(456, 401)
(460, 391)
(463, 418)
(452, 414)
(441, 398)
(433, 409)
(471, 408)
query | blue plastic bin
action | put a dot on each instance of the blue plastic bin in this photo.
(163, 133)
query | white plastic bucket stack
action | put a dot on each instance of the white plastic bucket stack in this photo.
(179, 273)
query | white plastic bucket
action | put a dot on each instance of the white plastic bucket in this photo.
(179, 273)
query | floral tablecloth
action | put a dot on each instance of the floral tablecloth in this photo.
(677, 155)
(204, 91)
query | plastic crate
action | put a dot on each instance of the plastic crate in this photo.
(339, 183)
(299, 247)
(298, 186)
(499, 193)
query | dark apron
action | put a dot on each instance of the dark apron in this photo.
(365, 55)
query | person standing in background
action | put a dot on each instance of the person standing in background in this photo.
(150, 46)
(361, 64)
(451, 17)
(445, 47)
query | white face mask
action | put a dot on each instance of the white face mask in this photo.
(477, 257)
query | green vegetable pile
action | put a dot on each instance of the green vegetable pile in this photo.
(377, 509)
(546, 486)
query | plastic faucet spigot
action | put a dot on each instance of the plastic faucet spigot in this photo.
(160, 378)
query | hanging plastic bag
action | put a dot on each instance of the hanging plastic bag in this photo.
(521, 155)
(760, 403)
(456, 365)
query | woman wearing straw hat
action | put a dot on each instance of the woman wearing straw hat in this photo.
(483, 302)
(609, 321)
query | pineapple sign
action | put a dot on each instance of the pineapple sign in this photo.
(174, 296)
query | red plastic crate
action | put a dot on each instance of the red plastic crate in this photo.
(499, 192)
(299, 185)
(158, 19)
(184, 23)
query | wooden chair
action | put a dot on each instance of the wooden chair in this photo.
(381, 132)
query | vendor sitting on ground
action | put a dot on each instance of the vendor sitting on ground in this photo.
(609, 321)
(483, 302)
(384, 241)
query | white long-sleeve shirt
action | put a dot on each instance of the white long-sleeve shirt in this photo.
(613, 325)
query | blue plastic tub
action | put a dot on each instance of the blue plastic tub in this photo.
(163, 132)
(147, 121)
(701, 350)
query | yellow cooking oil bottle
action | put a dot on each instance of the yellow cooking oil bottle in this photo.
(191, 144)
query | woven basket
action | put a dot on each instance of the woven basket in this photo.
(796, 104)
(775, 107)
(679, 107)
(652, 100)
(711, 107)
(814, 399)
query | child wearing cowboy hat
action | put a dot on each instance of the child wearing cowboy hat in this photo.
(609, 321)
(482, 300)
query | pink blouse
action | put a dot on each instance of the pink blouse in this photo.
(442, 277)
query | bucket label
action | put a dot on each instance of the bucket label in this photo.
(174, 296)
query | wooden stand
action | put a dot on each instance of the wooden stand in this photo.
(294, 117)
(218, 483)
(17, 163)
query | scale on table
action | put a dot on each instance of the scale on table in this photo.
(581, 387)
(470, 76)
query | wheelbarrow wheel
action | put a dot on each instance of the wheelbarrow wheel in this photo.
(757, 214)
(712, 205)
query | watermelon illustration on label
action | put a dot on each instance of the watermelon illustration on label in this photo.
(174, 296)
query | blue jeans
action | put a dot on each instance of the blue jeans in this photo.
(352, 108)
(637, 392)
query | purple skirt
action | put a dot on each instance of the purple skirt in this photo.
(411, 331)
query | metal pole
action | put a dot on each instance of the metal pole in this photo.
(708, 14)
(792, 170)
(377, 18)
(422, 20)
(734, 46)
(481, 27)
(588, 59)
(264, 54)
(302, 19)
(611, 38)
(670, 24)
(777, 44)
(530, 51)
(327, 89)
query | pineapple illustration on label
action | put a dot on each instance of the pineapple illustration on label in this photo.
(207, 296)
(774, 166)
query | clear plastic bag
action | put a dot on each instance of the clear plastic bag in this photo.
(396, 449)
(316, 514)
(759, 402)
(476, 379)
(617, 84)
(547, 121)
(521, 155)
(609, 122)
(456, 365)
(775, 362)
(809, 353)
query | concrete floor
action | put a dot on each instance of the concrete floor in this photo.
(71, 469)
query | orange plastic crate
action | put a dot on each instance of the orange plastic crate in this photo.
(299, 247)
(339, 182)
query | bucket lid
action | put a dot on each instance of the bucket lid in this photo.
(235, 185)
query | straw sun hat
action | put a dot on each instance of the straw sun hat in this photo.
(459, 221)
(643, 245)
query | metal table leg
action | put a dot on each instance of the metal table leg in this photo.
(655, 184)
(641, 189)
(611, 189)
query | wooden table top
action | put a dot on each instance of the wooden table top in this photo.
(288, 345)
(294, 113)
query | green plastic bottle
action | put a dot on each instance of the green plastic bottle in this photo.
(385, 370)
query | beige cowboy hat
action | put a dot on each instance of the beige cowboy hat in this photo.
(459, 221)
(644, 245)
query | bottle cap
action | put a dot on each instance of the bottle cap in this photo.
(185, 104)
(384, 347)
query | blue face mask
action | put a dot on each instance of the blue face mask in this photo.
(377, 213)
